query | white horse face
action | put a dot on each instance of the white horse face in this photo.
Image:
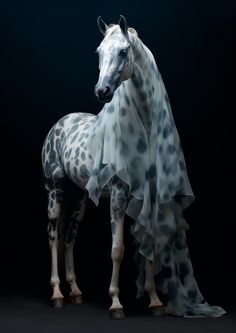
(115, 60)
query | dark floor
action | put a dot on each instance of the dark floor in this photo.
(33, 314)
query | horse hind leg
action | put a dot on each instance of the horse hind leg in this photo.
(71, 234)
(55, 201)
(156, 306)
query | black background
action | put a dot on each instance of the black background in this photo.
(48, 69)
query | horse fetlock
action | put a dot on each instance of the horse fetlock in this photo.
(114, 291)
(149, 288)
(70, 278)
(55, 282)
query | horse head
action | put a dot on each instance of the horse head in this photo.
(115, 58)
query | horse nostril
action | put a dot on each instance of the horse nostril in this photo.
(106, 90)
(98, 92)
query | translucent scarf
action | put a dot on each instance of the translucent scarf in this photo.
(135, 138)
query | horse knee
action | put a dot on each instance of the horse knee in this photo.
(117, 253)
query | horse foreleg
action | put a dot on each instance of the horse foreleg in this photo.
(118, 204)
(156, 306)
(76, 218)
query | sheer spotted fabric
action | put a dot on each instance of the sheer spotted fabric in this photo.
(135, 138)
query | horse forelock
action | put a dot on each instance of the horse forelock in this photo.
(113, 28)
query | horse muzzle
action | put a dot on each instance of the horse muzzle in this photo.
(104, 95)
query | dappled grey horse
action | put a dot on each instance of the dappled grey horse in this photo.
(130, 152)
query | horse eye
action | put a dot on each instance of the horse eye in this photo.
(123, 52)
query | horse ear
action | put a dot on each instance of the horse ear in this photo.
(102, 25)
(123, 25)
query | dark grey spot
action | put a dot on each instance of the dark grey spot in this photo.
(131, 128)
(165, 229)
(75, 171)
(167, 168)
(170, 149)
(167, 131)
(124, 149)
(183, 271)
(160, 216)
(58, 131)
(52, 156)
(69, 153)
(110, 108)
(48, 147)
(137, 79)
(143, 95)
(68, 166)
(151, 173)
(180, 244)
(135, 184)
(84, 172)
(153, 196)
(182, 165)
(113, 228)
(77, 151)
(171, 186)
(95, 172)
(141, 146)
(123, 112)
(83, 156)
(127, 100)
(75, 137)
(58, 144)
(62, 135)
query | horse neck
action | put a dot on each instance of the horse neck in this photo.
(141, 84)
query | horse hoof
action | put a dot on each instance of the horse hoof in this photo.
(117, 314)
(158, 311)
(57, 303)
(76, 299)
